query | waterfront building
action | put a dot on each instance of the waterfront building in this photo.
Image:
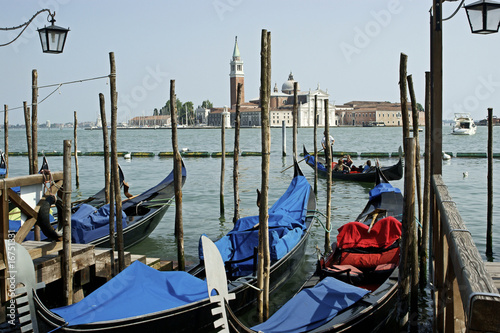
(370, 113)
(201, 115)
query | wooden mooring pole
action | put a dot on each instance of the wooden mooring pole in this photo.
(6, 137)
(408, 265)
(179, 229)
(295, 118)
(489, 218)
(315, 145)
(236, 155)
(114, 165)
(27, 123)
(77, 173)
(67, 260)
(427, 184)
(222, 160)
(328, 154)
(104, 123)
(263, 263)
(34, 124)
(283, 138)
(403, 95)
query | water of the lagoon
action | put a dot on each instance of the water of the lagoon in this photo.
(201, 190)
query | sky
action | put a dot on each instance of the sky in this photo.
(350, 48)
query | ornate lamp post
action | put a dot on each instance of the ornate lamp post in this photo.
(484, 16)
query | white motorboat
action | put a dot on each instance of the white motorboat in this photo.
(464, 125)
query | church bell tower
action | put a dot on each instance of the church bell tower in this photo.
(236, 75)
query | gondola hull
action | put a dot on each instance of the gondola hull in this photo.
(393, 172)
(196, 316)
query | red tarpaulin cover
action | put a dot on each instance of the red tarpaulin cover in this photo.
(355, 234)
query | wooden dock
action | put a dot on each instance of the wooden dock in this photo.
(89, 263)
(494, 269)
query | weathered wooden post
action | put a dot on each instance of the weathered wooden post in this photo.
(263, 264)
(77, 173)
(6, 138)
(283, 138)
(404, 99)
(66, 259)
(328, 154)
(489, 218)
(179, 229)
(114, 165)
(415, 121)
(222, 161)
(427, 183)
(105, 149)
(408, 259)
(236, 156)
(295, 115)
(27, 123)
(34, 123)
(315, 142)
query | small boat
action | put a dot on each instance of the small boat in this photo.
(393, 172)
(464, 124)
(141, 214)
(142, 299)
(354, 289)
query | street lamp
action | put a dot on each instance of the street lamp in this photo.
(53, 37)
(484, 16)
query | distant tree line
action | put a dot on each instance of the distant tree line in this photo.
(185, 111)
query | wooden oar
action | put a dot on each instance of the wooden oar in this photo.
(297, 162)
(375, 215)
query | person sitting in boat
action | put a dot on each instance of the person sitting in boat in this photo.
(339, 166)
(347, 163)
(368, 166)
(323, 143)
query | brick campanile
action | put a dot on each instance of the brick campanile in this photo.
(236, 75)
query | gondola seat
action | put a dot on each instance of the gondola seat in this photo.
(346, 273)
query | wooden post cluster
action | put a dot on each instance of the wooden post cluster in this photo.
(179, 229)
(102, 107)
(328, 154)
(67, 260)
(264, 259)
(34, 121)
(236, 155)
(77, 173)
(115, 177)
(403, 97)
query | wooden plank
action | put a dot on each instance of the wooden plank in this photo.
(154, 263)
(166, 265)
(137, 257)
(474, 280)
(28, 180)
(494, 269)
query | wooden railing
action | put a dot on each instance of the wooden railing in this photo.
(465, 296)
(8, 195)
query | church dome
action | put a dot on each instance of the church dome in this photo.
(287, 87)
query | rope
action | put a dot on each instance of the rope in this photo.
(317, 218)
(57, 85)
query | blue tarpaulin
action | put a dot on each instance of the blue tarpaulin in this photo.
(286, 225)
(312, 307)
(137, 290)
(89, 223)
(383, 188)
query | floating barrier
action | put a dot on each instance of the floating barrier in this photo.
(166, 154)
(475, 155)
(219, 154)
(195, 154)
(93, 153)
(342, 153)
(374, 154)
(251, 153)
(53, 153)
(142, 154)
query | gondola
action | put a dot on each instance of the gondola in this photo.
(3, 165)
(143, 299)
(141, 214)
(354, 289)
(393, 172)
